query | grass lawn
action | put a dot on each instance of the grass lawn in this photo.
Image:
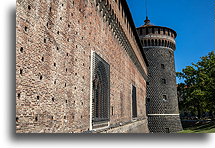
(208, 127)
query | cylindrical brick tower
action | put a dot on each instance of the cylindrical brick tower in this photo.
(162, 104)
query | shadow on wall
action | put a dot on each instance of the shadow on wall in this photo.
(11, 110)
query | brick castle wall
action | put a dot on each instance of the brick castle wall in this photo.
(53, 64)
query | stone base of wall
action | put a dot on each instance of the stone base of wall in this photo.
(140, 126)
(164, 124)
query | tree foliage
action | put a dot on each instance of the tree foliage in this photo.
(197, 92)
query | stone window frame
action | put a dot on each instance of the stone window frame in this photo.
(102, 119)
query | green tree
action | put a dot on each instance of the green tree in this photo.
(198, 89)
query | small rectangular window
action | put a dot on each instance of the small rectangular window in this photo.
(148, 99)
(167, 130)
(164, 97)
(134, 102)
(163, 81)
(162, 66)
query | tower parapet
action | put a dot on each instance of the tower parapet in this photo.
(162, 105)
(152, 35)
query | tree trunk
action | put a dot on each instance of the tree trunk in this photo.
(199, 111)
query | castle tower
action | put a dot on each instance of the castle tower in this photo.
(162, 104)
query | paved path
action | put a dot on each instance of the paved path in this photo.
(139, 129)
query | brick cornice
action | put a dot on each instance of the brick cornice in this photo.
(109, 17)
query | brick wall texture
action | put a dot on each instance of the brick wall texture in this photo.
(156, 89)
(53, 65)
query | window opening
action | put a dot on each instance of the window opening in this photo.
(163, 81)
(101, 90)
(167, 130)
(134, 102)
(162, 66)
(164, 98)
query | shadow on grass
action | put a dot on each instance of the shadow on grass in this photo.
(201, 127)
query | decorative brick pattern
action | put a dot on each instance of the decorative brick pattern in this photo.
(162, 104)
(164, 124)
(156, 88)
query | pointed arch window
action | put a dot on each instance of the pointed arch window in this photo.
(101, 90)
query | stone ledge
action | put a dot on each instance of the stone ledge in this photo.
(135, 126)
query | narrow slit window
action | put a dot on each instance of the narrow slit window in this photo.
(134, 102)
(141, 32)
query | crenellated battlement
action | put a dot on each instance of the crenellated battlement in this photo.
(146, 30)
(118, 17)
(151, 36)
(151, 42)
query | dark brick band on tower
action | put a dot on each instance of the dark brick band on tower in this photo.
(162, 104)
